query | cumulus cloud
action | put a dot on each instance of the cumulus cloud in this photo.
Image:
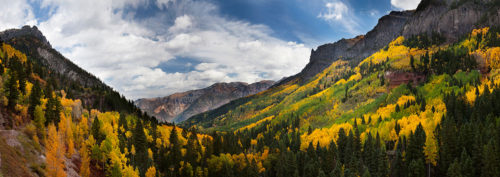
(103, 37)
(405, 4)
(13, 14)
(338, 13)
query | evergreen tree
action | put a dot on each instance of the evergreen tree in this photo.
(416, 168)
(398, 166)
(141, 156)
(412, 63)
(12, 91)
(175, 149)
(95, 130)
(490, 160)
(34, 99)
(416, 144)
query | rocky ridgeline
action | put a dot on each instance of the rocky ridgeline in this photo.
(32, 42)
(24, 31)
(180, 106)
(450, 18)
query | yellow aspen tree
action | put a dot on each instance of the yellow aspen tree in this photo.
(54, 153)
(85, 166)
(150, 154)
(151, 172)
(71, 147)
(67, 134)
(430, 149)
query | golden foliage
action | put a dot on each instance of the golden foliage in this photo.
(324, 136)
(85, 165)
(11, 52)
(54, 153)
(151, 172)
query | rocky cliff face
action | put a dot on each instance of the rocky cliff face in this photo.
(451, 18)
(180, 106)
(388, 28)
(24, 31)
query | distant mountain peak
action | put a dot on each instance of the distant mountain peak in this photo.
(178, 107)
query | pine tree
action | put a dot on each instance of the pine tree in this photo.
(36, 94)
(12, 91)
(398, 166)
(397, 128)
(95, 130)
(455, 169)
(141, 157)
(490, 160)
(412, 63)
(416, 168)
(415, 150)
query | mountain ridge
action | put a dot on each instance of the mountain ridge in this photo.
(451, 18)
(179, 106)
(408, 23)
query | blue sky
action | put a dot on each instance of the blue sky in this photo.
(150, 48)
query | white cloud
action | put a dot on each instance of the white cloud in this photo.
(337, 13)
(103, 38)
(405, 4)
(14, 14)
(181, 23)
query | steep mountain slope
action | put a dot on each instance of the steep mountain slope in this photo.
(387, 29)
(451, 18)
(77, 83)
(180, 106)
(418, 99)
(420, 106)
(283, 93)
(39, 90)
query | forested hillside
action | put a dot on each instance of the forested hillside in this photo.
(423, 105)
(412, 105)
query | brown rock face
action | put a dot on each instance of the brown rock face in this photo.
(397, 78)
(180, 106)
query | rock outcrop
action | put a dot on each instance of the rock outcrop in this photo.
(450, 18)
(180, 106)
(24, 31)
(388, 28)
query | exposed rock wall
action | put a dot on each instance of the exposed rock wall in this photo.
(451, 18)
(388, 28)
(180, 106)
(24, 31)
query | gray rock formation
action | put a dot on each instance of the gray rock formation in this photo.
(451, 18)
(388, 28)
(24, 31)
(180, 106)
